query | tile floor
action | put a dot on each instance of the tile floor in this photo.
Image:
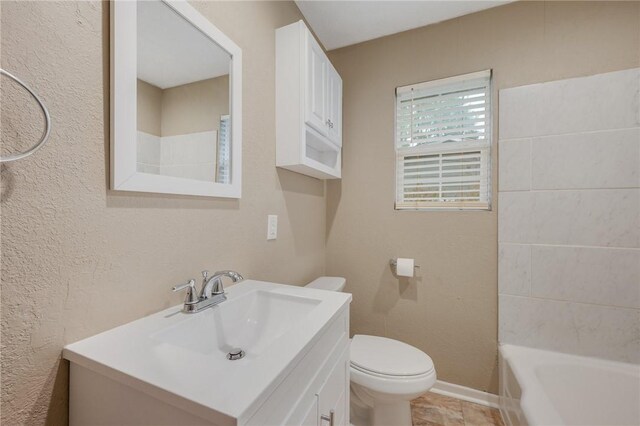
(432, 409)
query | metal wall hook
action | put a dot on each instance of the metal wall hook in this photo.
(47, 119)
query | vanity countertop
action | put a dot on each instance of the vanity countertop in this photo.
(181, 358)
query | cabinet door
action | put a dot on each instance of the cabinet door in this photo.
(334, 105)
(312, 417)
(316, 89)
(333, 398)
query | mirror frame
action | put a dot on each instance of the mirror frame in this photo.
(123, 51)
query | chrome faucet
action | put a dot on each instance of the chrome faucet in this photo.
(211, 294)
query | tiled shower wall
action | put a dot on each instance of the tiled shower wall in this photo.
(191, 156)
(569, 216)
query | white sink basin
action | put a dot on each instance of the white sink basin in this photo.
(181, 358)
(249, 322)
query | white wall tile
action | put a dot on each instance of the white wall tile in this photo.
(148, 168)
(207, 148)
(599, 102)
(590, 330)
(192, 148)
(514, 269)
(148, 148)
(577, 287)
(206, 172)
(515, 164)
(514, 217)
(180, 150)
(583, 274)
(173, 170)
(609, 218)
(607, 159)
(166, 152)
(606, 218)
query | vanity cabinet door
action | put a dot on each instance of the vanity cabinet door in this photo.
(316, 80)
(311, 418)
(334, 105)
(333, 398)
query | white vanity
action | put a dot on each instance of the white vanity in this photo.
(172, 367)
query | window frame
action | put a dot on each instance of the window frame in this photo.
(485, 148)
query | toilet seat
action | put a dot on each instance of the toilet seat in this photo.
(387, 357)
(386, 376)
(390, 367)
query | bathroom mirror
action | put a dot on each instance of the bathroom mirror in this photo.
(175, 101)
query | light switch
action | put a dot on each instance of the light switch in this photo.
(272, 227)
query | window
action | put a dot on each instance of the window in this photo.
(443, 142)
(224, 151)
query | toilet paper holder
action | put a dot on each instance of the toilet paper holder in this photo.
(394, 262)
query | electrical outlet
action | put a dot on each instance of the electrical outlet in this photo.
(272, 227)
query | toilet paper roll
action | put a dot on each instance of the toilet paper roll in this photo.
(404, 267)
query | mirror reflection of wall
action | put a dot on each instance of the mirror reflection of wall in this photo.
(182, 98)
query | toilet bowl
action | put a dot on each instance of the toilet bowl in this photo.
(386, 374)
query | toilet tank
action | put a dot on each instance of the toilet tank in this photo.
(328, 283)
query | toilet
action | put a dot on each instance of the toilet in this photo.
(386, 374)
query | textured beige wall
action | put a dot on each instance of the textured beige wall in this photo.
(450, 309)
(195, 107)
(78, 258)
(149, 110)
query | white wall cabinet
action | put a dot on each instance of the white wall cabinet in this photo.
(334, 105)
(316, 86)
(308, 105)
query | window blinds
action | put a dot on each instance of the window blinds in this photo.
(224, 151)
(443, 143)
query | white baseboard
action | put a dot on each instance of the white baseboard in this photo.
(466, 394)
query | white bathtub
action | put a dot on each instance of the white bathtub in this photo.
(539, 387)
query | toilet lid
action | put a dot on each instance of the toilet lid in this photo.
(387, 356)
(327, 283)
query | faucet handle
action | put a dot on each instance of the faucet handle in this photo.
(205, 274)
(218, 287)
(190, 286)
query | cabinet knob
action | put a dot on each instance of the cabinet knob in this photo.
(328, 418)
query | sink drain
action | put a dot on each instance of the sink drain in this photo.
(235, 353)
